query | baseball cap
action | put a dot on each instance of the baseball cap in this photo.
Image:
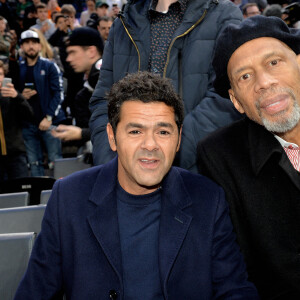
(85, 36)
(29, 34)
(100, 4)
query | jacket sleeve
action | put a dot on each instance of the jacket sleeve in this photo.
(213, 111)
(98, 106)
(23, 109)
(43, 278)
(56, 90)
(229, 275)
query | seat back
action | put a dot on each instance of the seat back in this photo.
(14, 199)
(15, 249)
(67, 166)
(21, 219)
(32, 185)
(45, 195)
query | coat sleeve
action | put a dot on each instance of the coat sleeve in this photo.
(98, 106)
(229, 275)
(43, 278)
(56, 90)
(213, 111)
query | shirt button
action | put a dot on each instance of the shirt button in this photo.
(113, 294)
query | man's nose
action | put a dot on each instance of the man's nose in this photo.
(264, 81)
(149, 142)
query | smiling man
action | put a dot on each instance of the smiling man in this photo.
(257, 160)
(137, 228)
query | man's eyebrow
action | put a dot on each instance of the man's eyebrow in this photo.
(159, 124)
(266, 56)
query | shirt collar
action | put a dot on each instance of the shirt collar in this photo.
(154, 3)
(284, 143)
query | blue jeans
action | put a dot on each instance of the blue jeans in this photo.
(33, 138)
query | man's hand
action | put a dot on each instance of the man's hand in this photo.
(45, 27)
(67, 132)
(9, 91)
(28, 93)
(45, 124)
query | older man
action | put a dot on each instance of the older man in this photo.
(257, 160)
(136, 228)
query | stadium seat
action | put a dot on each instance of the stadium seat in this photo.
(14, 199)
(15, 249)
(21, 219)
(45, 195)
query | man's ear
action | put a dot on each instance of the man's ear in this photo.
(111, 137)
(179, 139)
(235, 101)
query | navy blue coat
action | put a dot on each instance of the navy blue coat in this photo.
(78, 250)
(49, 87)
(188, 66)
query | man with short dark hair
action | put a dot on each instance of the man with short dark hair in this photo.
(257, 160)
(137, 228)
(41, 85)
(104, 24)
(84, 49)
(43, 24)
(250, 10)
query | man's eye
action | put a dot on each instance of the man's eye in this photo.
(274, 62)
(164, 132)
(134, 132)
(245, 76)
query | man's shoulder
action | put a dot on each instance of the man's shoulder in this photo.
(195, 183)
(227, 135)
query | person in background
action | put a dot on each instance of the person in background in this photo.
(30, 15)
(49, 52)
(104, 24)
(69, 12)
(43, 24)
(52, 6)
(274, 10)
(14, 110)
(41, 85)
(250, 10)
(136, 227)
(21, 6)
(85, 15)
(257, 160)
(175, 40)
(84, 48)
(102, 9)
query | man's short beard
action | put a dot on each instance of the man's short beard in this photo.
(32, 56)
(284, 123)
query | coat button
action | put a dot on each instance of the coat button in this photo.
(113, 294)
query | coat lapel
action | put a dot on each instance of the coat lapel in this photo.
(104, 219)
(174, 223)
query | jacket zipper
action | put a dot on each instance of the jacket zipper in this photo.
(137, 50)
(173, 41)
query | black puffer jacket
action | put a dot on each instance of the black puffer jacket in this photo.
(188, 63)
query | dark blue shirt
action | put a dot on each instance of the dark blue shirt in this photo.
(139, 225)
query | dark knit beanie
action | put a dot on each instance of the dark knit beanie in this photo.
(234, 36)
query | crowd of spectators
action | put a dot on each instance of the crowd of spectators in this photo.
(53, 21)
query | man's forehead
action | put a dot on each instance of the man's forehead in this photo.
(264, 46)
(137, 108)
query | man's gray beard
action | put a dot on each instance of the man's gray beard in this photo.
(285, 123)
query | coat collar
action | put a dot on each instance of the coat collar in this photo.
(174, 222)
(263, 147)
